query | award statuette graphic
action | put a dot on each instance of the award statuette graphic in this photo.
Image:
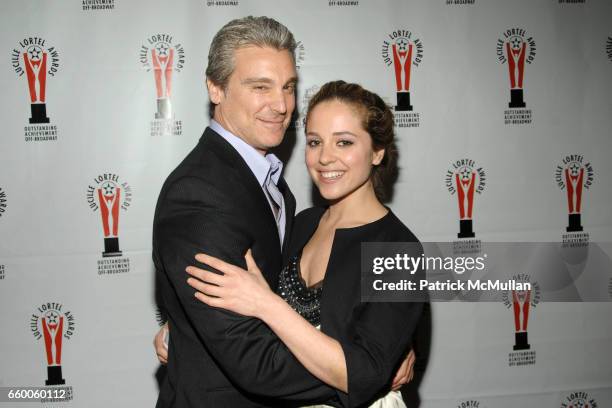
(402, 62)
(404, 52)
(515, 52)
(516, 49)
(109, 196)
(54, 326)
(520, 305)
(574, 176)
(465, 179)
(162, 57)
(522, 300)
(35, 62)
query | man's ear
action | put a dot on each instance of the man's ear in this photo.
(214, 92)
(378, 156)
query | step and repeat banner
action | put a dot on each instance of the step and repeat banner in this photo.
(503, 113)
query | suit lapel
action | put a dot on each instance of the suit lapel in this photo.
(289, 210)
(257, 197)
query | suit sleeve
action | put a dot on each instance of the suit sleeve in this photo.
(197, 217)
(378, 339)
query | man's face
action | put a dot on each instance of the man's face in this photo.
(258, 101)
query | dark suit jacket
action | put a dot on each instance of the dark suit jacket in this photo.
(213, 203)
(375, 337)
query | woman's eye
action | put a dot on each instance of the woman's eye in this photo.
(344, 143)
(313, 143)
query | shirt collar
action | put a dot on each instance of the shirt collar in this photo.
(262, 167)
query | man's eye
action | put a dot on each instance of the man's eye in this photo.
(260, 87)
(290, 88)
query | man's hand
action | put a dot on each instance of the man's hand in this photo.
(404, 373)
(159, 343)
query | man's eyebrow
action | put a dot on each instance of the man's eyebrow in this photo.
(292, 81)
(256, 81)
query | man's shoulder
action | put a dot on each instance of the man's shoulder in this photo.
(206, 172)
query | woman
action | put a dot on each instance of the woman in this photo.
(349, 152)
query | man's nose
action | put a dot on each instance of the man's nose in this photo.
(279, 101)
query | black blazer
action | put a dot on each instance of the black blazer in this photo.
(213, 203)
(375, 337)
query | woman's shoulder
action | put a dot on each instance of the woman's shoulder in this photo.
(395, 230)
(309, 217)
(304, 225)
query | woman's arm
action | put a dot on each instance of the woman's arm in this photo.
(319, 353)
(247, 293)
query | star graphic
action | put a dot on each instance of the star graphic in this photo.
(402, 44)
(52, 317)
(516, 43)
(465, 173)
(574, 169)
(162, 49)
(34, 53)
(108, 188)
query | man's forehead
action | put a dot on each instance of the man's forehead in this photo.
(254, 56)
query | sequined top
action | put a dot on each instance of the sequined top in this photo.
(303, 299)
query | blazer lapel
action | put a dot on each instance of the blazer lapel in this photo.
(258, 198)
(289, 211)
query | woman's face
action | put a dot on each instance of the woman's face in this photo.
(339, 153)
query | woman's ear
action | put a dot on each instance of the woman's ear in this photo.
(378, 156)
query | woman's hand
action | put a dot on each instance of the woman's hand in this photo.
(243, 292)
(161, 348)
(405, 373)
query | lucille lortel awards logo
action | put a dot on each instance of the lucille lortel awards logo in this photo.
(38, 62)
(300, 54)
(300, 122)
(515, 49)
(343, 3)
(465, 180)
(95, 5)
(522, 302)
(3, 202)
(404, 51)
(55, 326)
(222, 3)
(470, 404)
(2, 211)
(109, 195)
(579, 399)
(163, 57)
(574, 175)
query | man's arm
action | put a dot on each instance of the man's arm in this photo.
(197, 217)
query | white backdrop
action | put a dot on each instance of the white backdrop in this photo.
(100, 98)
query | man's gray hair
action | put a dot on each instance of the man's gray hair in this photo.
(243, 32)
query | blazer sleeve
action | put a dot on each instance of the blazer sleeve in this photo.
(378, 339)
(197, 217)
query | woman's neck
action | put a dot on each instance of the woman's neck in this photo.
(357, 208)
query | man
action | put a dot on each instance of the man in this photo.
(225, 197)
